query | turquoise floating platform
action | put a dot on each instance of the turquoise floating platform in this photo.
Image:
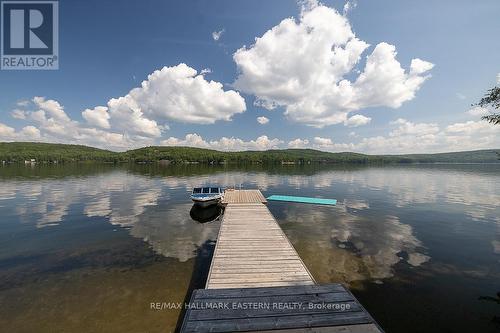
(289, 198)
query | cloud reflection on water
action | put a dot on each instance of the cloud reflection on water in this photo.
(342, 246)
(354, 240)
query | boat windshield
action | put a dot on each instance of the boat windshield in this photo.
(214, 190)
(206, 190)
(197, 190)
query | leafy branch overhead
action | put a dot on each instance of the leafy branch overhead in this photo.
(492, 99)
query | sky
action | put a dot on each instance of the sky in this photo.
(364, 76)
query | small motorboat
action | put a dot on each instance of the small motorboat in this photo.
(207, 196)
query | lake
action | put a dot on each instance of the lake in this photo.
(88, 248)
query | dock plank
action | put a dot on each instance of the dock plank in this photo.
(314, 307)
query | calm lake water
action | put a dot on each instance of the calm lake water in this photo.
(88, 248)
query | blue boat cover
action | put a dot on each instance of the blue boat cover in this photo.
(303, 199)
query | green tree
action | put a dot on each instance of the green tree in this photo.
(492, 98)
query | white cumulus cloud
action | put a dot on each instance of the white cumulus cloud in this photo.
(23, 103)
(225, 144)
(205, 71)
(27, 133)
(191, 140)
(322, 142)
(52, 124)
(406, 127)
(302, 65)
(18, 114)
(262, 120)
(349, 6)
(51, 107)
(175, 93)
(138, 118)
(471, 127)
(327, 144)
(126, 114)
(97, 116)
(180, 94)
(357, 120)
(216, 35)
(407, 137)
(478, 111)
(298, 143)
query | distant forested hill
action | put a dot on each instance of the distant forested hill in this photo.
(476, 156)
(62, 153)
(21, 151)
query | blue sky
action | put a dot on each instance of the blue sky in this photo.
(107, 48)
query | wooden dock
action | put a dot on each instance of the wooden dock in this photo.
(253, 251)
(243, 197)
(254, 263)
